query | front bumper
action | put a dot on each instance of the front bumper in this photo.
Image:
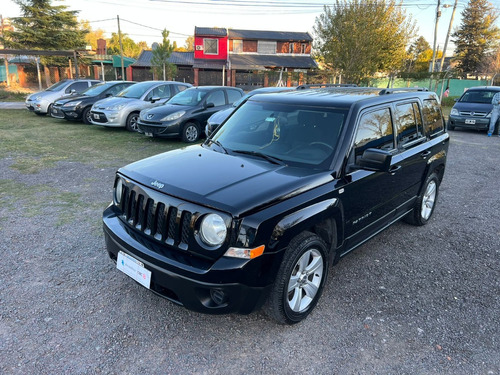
(192, 282)
(38, 106)
(479, 123)
(166, 129)
(115, 119)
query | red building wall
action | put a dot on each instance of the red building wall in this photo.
(222, 55)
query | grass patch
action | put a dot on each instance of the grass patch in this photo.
(37, 142)
(13, 93)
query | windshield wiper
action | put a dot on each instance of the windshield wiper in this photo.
(218, 144)
(272, 159)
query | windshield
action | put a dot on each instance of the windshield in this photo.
(189, 97)
(136, 91)
(295, 135)
(97, 89)
(477, 96)
(56, 86)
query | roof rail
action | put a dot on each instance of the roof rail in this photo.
(404, 89)
(322, 85)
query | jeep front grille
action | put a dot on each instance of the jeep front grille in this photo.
(160, 220)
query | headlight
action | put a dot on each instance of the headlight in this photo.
(488, 115)
(116, 107)
(454, 112)
(72, 104)
(118, 191)
(173, 116)
(213, 230)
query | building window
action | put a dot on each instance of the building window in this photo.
(291, 48)
(237, 46)
(303, 48)
(211, 46)
(265, 47)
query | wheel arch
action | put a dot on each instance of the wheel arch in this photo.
(324, 218)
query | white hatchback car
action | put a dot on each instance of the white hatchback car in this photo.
(41, 102)
(123, 109)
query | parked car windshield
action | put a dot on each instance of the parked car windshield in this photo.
(189, 97)
(97, 89)
(290, 134)
(135, 91)
(477, 96)
(56, 86)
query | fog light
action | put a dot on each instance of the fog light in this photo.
(218, 296)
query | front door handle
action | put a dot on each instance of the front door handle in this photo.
(425, 154)
(394, 169)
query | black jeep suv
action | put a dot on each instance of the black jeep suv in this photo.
(289, 183)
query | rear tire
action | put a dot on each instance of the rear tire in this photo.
(426, 202)
(300, 279)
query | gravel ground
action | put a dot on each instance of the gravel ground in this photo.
(411, 301)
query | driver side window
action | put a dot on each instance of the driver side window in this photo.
(374, 131)
(161, 92)
(217, 98)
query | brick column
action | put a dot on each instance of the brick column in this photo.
(196, 70)
(266, 79)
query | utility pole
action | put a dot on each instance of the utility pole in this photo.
(448, 35)
(5, 59)
(121, 46)
(438, 14)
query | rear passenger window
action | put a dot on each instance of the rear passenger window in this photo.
(433, 118)
(374, 131)
(233, 95)
(409, 125)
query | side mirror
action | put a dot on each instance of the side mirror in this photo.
(374, 159)
(73, 91)
(209, 105)
(155, 99)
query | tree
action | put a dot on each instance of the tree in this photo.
(92, 35)
(161, 54)
(189, 44)
(43, 26)
(130, 48)
(476, 36)
(359, 38)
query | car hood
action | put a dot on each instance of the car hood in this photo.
(46, 94)
(167, 109)
(219, 117)
(116, 100)
(474, 107)
(231, 183)
(68, 98)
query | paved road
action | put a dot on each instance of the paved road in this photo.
(413, 300)
(12, 105)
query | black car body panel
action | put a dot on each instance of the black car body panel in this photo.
(153, 121)
(265, 200)
(72, 107)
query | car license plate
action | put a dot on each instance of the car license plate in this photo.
(149, 134)
(133, 268)
(469, 121)
(96, 116)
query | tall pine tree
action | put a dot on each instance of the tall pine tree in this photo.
(43, 26)
(161, 67)
(475, 37)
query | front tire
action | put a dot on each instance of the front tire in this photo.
(426, 202)
(190, 132)
(131, 123)
(300, 280)
(86, 116)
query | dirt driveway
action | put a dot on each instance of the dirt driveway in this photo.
(411, 301)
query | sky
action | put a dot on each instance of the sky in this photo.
(144, 19)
